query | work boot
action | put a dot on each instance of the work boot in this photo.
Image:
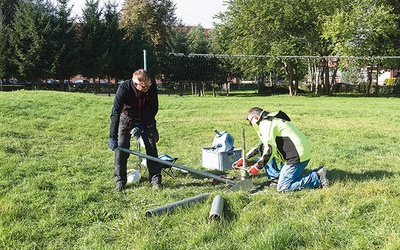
(157, 186)
(156, 181)
(321, 172)
(120, 186)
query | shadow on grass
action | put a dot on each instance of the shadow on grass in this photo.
(261, 182)
(338, 175)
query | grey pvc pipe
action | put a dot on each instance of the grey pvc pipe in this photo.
(171, 207)
(171, 164)
(217, 208)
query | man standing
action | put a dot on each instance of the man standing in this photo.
(285, 143)
(133, 114)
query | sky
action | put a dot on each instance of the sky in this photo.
(192, 12)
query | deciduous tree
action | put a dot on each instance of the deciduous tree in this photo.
(271, 27)
(364, 29)
(147, 24)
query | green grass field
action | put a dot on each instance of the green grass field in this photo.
(57, 185)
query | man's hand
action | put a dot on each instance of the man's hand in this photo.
(113, 143)
(238, 163)
(253, 169)
(137, 131)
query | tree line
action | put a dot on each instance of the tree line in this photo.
(42, 40)
(325, 28)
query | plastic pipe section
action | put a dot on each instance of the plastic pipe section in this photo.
(217, 208)
(171, 207)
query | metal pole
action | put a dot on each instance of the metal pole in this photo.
(217, 208)
(243, 171)
(171, 207)
(206, 174)
(144, 60)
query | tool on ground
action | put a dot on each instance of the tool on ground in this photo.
(168, 169)
(245, 185)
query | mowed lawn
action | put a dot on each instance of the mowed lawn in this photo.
(57, 184)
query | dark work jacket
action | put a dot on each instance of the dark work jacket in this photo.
(139, 107)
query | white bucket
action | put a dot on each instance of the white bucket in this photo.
(133, 176)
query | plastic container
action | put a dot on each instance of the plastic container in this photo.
(133, 176)
(213, 159)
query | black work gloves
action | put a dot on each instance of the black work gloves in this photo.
(113, 143)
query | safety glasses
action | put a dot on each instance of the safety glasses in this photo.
(250, 120)
(143, 86)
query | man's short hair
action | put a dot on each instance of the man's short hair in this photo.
(141, 75)
(254, 111)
